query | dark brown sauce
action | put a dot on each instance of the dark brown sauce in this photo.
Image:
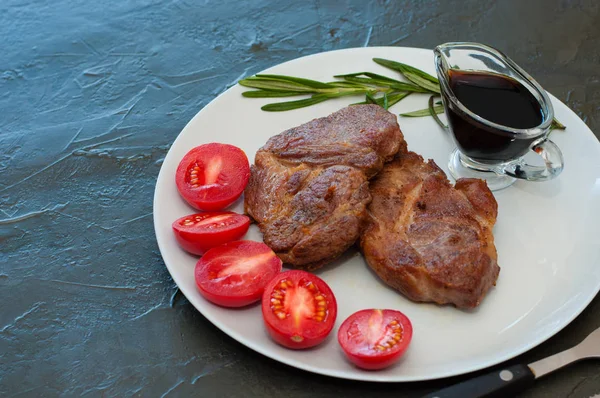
(498, 99)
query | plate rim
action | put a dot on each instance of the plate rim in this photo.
(365, 375)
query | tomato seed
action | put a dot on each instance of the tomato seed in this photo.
(297, 338)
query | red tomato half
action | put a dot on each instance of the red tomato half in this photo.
(375, 339)
(197, 233)
(299, 309)
(235, 274)
(212, 176)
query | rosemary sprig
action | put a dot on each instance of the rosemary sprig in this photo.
(370, 100)
(315, 99)
(433, 113)
(390, 91)
(365, 83)
(415, 75)
(271, 94)
(439, 108)
(375, 80)
(282, 83)
(392, 99)
(271, 86)
(556, 125)
(424, 112)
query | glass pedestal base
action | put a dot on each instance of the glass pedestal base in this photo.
(462, 167)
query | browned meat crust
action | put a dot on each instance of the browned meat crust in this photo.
(427, 239)
(308, 188)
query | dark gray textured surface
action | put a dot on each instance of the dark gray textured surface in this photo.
(93, 94)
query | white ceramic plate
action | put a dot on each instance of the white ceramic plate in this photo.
(547, 236)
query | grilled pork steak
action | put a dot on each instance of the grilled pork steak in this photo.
(427, 239)
(308, 187)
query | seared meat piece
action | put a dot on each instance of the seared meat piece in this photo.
(308, 187)
(427, 239)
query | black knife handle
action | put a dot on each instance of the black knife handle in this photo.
(504, 382)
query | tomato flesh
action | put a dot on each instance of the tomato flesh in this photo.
(299, 309)
(375, 339)
(212, 176)
(235, 274)
(200, 232)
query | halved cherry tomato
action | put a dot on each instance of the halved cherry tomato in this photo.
(375, 339)
(299, 309)
(235, 274)
(212, 176)
(197, 233)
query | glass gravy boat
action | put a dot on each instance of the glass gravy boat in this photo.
(486, 149)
